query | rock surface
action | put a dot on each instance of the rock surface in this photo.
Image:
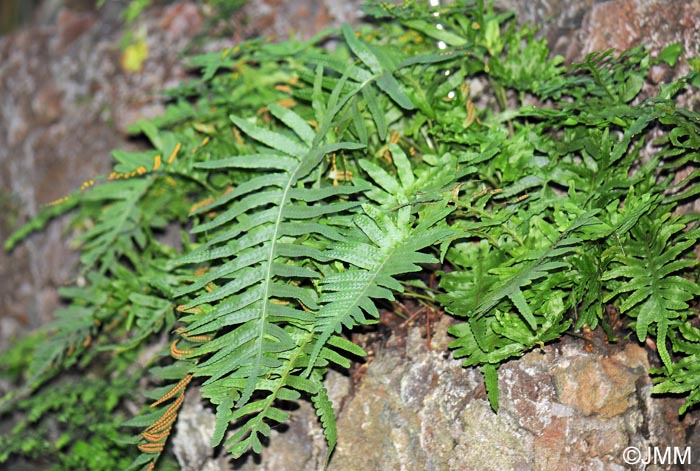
(574, 405)
(65, 104)
(560, 408)
(574, 28)
(191, 443)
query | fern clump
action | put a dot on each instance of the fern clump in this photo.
(310, 187)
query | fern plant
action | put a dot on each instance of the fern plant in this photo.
(310, 187)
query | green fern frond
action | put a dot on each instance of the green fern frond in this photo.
(650, 289)
(381, 64)
(45, 215)
(683, 378)
(388, 243)
(256, 291)
(325, 412)
(517, 303)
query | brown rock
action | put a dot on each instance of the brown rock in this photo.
(595, 388)
(71, 25)
(47, 104)
(561, 408)
(181, 19)
(302, 19)
(63, 103)
(612, 25)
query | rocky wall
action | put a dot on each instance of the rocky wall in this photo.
(574, 405)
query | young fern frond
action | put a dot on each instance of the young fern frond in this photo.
(280, 384)
(647, 270)
(520, 303)
(388, 243)
(381, 66)
(683, 379)
(118, 228)
(87, 325)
